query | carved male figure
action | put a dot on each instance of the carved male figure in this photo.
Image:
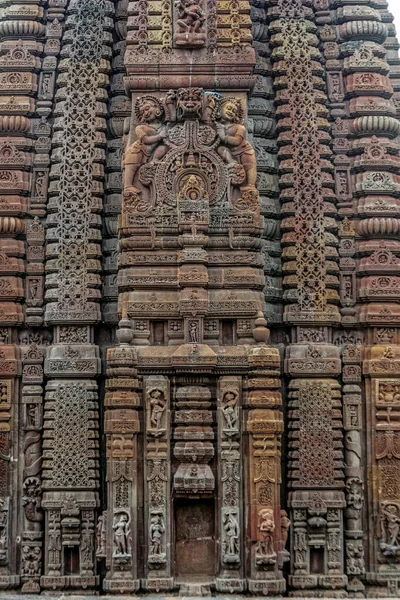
(235, 148)
(149, 134)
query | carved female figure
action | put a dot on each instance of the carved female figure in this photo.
(121, 534)
(231, 527)
(156, 530)
(265, 553)
(229, 409)
(157, 408)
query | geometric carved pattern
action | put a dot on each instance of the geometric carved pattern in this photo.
(77, 186)
(219, 193)
(316, 461)
(70, 452)
(307, 172)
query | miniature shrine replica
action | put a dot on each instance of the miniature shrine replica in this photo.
(199, 298)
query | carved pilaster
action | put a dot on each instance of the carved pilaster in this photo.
(158, 567)
(119, 523)
(269, 524)
(231, 525)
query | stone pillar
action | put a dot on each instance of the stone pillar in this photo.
(117, 527)
(158, 565)
(230, 478)
(311, 291)
(71, 448)
(21, 33)
(269, 524)
(373, 223)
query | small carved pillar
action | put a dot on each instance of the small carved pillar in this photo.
(32, 424)
(268, 523)
(158, 566)
(20, 49)
(230, 484)
(352, 425)
(7, 411)
(316, 471)
(117, 526)
(71, 447)
(382, 370)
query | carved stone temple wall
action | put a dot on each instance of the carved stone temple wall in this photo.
(199, 298)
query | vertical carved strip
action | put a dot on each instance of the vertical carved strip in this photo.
(316, 463)
(157, 480)
(70, 474)
(6, 398)
(119, 109)
(32, 425)
(262, 125)
(382, 369)
(230, 484)
(375, 225)
(352, 424)
(21, 31)
(117, 527)
(268, 523)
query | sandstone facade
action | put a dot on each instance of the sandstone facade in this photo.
(199, 297)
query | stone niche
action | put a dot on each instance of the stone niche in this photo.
(195, 543)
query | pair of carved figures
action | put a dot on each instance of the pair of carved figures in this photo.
(190, 23)
(155, 134)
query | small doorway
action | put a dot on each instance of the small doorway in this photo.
(195, 557)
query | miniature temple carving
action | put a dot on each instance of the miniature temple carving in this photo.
(199, 298)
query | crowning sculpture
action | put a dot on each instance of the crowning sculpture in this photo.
(199, 267)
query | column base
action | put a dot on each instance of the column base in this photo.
(322, 586)
(9, 581)
(31, 587)
(86, 584)
(159, 584)
(266, 587)
(120, 586)
(230, 586)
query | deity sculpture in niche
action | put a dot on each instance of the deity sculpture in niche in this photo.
(121, 535)
(3, 530)
(229, 408)
(156, 532)
(390, 529)
(190, 19)
(190, 147)
(156, 407)
(231, 541)
(265, 553)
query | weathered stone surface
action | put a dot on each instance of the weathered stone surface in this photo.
(199, 255)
